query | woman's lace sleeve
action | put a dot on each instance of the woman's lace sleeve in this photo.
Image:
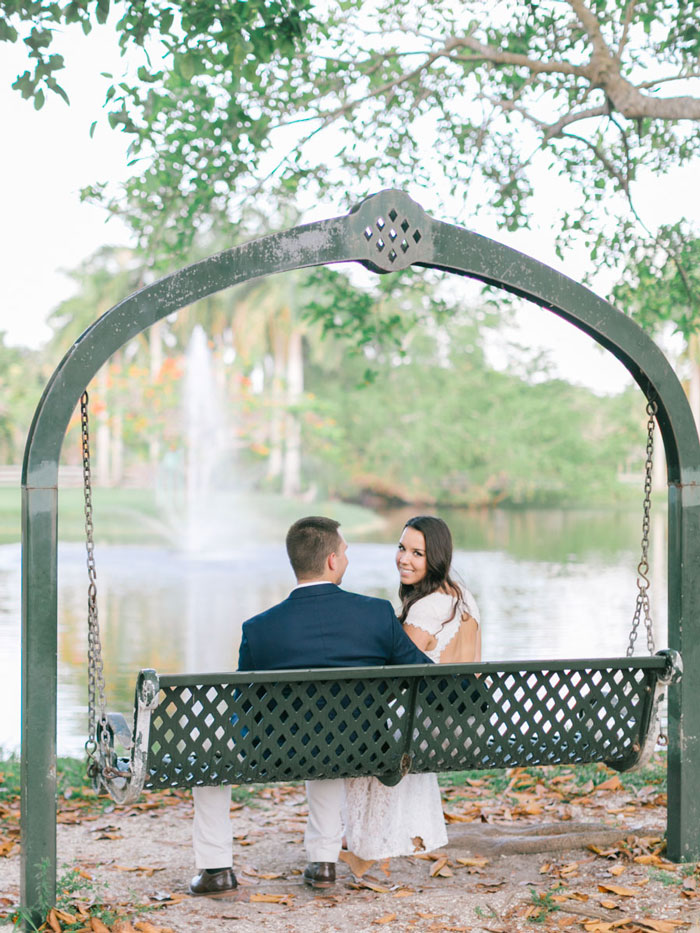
(427, 614)
(471, 605)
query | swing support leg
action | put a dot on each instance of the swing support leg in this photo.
(683, 835)
(39, 688)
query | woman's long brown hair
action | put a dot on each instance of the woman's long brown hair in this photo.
(438, 560)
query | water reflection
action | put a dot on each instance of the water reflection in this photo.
(549, 584)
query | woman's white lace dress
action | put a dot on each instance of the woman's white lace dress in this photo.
(385, 822)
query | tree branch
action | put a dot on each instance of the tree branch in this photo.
(499, 57)
(681, 77)
(556, 128)
(590, 23)
(602, 158)
(629, 13)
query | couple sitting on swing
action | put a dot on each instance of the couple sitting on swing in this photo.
(321, 625)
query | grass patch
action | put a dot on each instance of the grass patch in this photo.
(246, 793)
(9, 778)
(579, 776)
(542, 906)
(71, 779)
(666, 878)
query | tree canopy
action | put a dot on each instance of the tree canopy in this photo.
(235, 100)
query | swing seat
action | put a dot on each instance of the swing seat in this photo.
(239, 728)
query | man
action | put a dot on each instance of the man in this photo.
(318, 625)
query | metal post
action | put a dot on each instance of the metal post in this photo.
(39, 689)
(683, 836)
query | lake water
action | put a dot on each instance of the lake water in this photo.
(549, 584)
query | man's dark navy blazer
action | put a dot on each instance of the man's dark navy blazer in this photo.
(323, 626)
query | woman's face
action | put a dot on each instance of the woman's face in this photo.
(410, 557)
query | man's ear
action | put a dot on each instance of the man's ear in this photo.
(332, 561)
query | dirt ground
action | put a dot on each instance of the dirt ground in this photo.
(532, 857)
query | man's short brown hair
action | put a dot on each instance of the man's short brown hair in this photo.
(310, 541)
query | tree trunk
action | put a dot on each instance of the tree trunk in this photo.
(103, 445)
(155, 347)
(117, 422)
(291, 480)
(274, 462)
(694, 381)
(117, 448)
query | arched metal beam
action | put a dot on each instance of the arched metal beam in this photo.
(386, 232)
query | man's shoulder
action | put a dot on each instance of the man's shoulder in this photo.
(374, 603)
(268, 613)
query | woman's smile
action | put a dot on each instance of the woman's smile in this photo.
(410, 556)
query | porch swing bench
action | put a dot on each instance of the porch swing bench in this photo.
(240, 728)
(292, 725)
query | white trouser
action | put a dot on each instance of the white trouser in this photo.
(324, 829)
(212, 831)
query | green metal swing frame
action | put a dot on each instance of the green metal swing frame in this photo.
(386, 232)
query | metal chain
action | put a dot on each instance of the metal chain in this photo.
(642, 607)
(96, 681)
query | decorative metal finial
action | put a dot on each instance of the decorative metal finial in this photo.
(394, 230)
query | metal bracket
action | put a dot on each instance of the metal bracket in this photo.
(123, 778)
(674, 666)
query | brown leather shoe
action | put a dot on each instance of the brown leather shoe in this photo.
(320, 874)
(213, 884)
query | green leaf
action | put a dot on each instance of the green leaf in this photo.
(102, 11)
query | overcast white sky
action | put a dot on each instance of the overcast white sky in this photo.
(48, 156)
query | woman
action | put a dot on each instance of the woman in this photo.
(441, 617)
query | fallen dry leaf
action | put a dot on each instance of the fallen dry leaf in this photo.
(123, 926)
(660, 926)
(474, 862)
(651, 859)
(358, 866)
(616, 889)
(457, 818)
(271, 898)
(438, 866)
(98, 926)
(145, 926)
(364, 883)
(387, 918)
(612, 783)
(52, 921)
(570, 896)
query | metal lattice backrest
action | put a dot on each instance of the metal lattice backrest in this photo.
(294, 725)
